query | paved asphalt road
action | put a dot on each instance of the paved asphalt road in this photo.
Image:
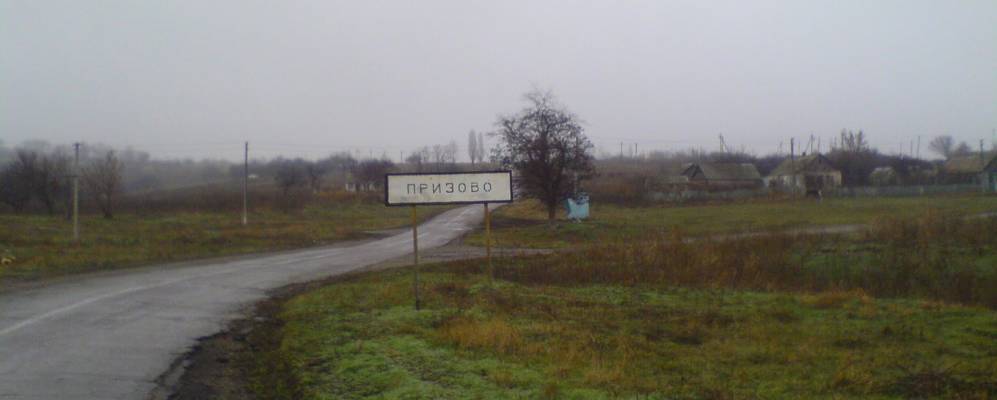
(110, 336)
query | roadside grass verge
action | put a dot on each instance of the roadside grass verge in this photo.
(362, 339)
(904, 310)
(42, 245)
(524, 225)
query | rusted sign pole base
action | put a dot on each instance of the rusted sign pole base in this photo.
(415, 251)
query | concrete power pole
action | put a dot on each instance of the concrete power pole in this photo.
(76, 193)
(245, 185)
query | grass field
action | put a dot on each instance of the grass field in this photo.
(903, 310)
(523, 224)
(42, 245)
(363, 338)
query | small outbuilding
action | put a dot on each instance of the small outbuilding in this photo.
(808, 174)
(723, 175)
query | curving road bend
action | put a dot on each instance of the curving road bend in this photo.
(111, 336)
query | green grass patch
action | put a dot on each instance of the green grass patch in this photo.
(524, 224)
(361, 338)
(41, 246)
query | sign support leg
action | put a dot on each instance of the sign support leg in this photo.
(488, 244)
(415, 252)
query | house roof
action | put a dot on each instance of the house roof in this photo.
(813, 162)
(725, 171)
(969, 164)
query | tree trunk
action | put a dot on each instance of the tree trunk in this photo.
(551, 211)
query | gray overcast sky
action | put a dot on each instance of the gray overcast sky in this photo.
(195, 78)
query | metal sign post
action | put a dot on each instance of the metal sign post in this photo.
(488, 244)
(415, 260)
(413, 189)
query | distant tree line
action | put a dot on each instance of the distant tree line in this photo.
(34, 177)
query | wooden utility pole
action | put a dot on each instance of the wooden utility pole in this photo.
(918, 147)
(792, 163)
(245, 185)
(76, 194)
(415, 252)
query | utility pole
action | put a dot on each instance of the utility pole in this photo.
(76, 194)
(245, 185)
(918, 147)
(982, 159)
(621, 150)
(792, 164)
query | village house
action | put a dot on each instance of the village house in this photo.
(980, 168)
(723, 176)
(810, 174)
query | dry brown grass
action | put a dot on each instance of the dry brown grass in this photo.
(933, 257)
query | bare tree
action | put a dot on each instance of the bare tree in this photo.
(102, 180)
(962, 149)
(51, 180)
(854, 158)
(416, 158)
(472, 147)
(17, 180)
(439, 157)
(289, 174)
(943, 145)
(481, 147)
(450, 153)
(546, 144)
(370, 173)
(315, 171)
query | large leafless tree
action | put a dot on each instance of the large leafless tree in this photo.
(289, 175)
(547, 145)
(942, 145)
(472, 147)
(18, 180)
(102, 180)
(370, 173)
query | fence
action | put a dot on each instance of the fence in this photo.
(682, 196)
(919, 190)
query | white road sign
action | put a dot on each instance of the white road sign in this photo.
(448, 188)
